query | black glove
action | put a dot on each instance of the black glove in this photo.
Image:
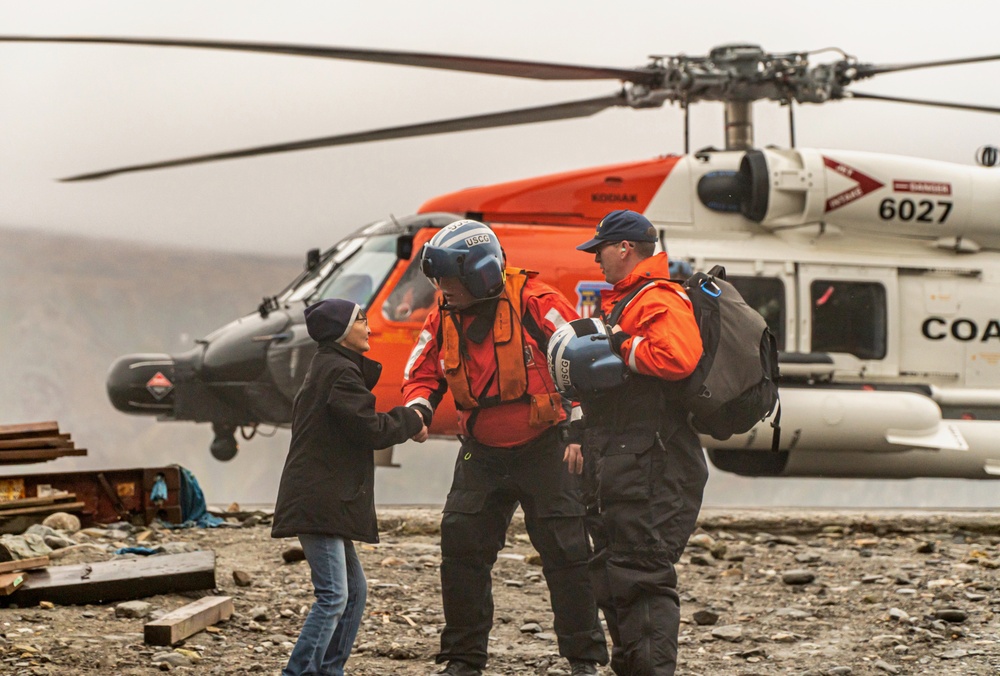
(616, 340)
(426, 413)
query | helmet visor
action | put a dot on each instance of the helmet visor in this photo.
(436, 262)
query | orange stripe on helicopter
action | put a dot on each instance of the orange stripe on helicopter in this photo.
(580, 197)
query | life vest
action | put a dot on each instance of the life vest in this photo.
(508, 347)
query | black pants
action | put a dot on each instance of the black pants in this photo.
(488, 484)
(643, 509)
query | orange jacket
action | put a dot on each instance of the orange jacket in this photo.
(505, 425)
(662, 336)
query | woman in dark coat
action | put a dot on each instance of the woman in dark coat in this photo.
(326, 494)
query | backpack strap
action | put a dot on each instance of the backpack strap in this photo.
(619, 308)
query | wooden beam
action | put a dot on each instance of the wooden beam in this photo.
(28, 429)
(31, 502)
(38, 455)
(178, 624)
(58, 441)
(24, 564)
(42, 509)
(9, 582)
(117, 580)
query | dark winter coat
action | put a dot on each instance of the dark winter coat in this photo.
(327, 484)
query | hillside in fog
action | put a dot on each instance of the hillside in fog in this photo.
(69, 306)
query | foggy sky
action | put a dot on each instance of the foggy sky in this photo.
(75, 108)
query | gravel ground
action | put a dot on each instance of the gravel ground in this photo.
(763, 592)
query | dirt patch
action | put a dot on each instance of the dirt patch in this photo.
(763, 592)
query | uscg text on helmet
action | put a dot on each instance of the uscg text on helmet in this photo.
(477, 239)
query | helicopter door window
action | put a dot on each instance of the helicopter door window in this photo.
(849, 317)
(767, 296)
(412, 299)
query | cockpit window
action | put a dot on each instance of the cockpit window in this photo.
(766, 295)
(413, 298)
(849, 317)
(359, 273)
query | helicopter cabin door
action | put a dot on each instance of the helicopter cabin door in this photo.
(851, 313)
(769, 288)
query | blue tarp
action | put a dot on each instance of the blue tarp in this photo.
(194, 511)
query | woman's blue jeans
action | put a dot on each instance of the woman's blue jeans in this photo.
(332, 625)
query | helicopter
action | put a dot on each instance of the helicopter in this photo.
(876, 273)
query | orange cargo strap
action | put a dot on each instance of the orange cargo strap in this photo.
(508, 346)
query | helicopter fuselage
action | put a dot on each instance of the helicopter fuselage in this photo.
(877, 274)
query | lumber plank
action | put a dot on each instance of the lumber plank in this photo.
(9, 582)
(24, 564)
(37, 455)
(178, 624)
(117, 580)
(28, 429)
(42, 509)
(58, 441)
(31, 502)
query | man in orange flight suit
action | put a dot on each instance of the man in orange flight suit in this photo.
(486, 343)
(644, 464)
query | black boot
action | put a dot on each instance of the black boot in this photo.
(458, 668)
(583, 667)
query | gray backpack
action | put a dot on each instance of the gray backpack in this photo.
(735, 384)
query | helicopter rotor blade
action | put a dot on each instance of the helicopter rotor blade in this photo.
(923, 102)
(558, 111)
(869, 69)
(537, 70)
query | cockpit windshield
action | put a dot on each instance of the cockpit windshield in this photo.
(354, 269)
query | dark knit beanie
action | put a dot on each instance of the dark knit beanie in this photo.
(331, 319)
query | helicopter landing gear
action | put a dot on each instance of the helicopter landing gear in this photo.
(224, 446)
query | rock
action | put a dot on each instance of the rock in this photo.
(531, 628)
(729, 632)
(133, 609)
(58, 541)
(797, 577)
(172, 659)
(392, 561)
(64, 521)
(293, 554)
(705, 559)
(955, 615)
(886, 667)
(242, 578)
(926, 548)
(705, 617)
(27, 546)
(260, 613)
(898, 615)
(793, 613)
(702, 541)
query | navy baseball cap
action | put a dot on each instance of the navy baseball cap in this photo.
(620, 226)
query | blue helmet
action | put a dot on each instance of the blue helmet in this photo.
(469, 251)
(581, 361)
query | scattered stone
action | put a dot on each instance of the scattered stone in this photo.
(705, 617)
(531, 628)
(798, 577)
(926, 548)
(133, 609)
(64, 521)
(955, 615)
(886, 667)
(293, 554)
(242, 578)
(729, 632)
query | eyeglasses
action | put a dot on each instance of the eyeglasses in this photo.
(362, 317)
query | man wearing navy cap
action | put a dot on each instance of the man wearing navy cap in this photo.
(643, 464)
